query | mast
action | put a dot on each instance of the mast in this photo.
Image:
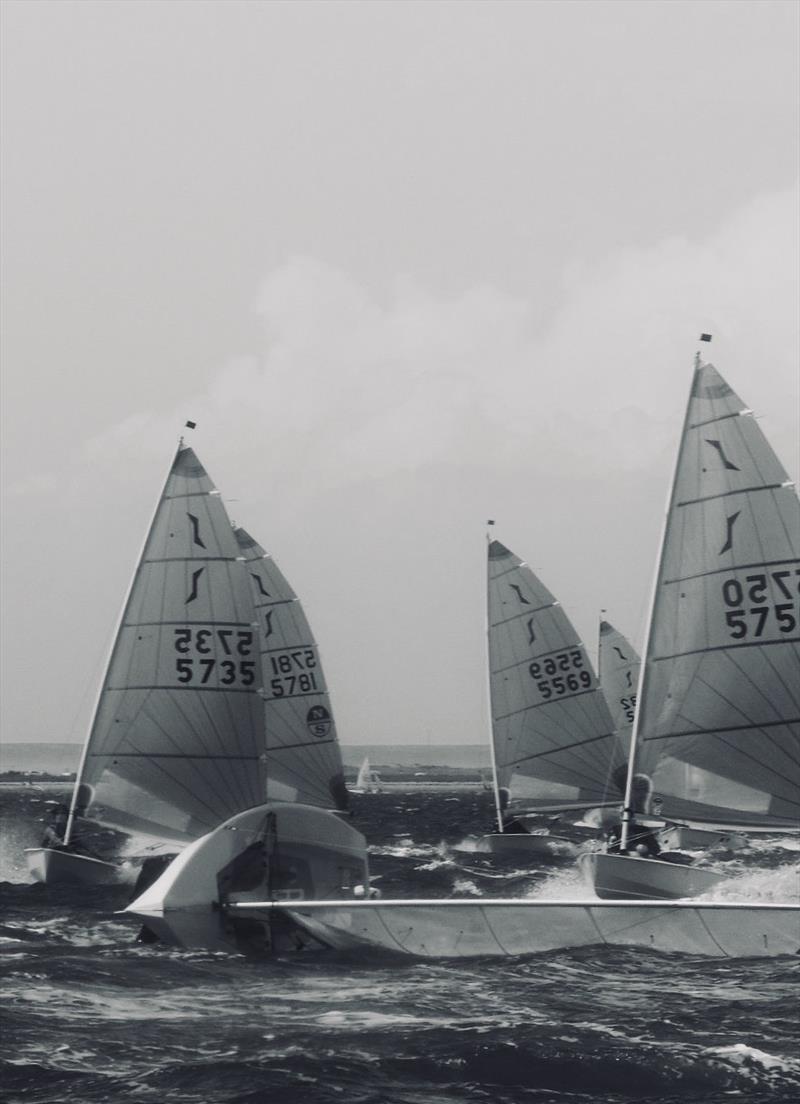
(627, 810)
(120, 620)
(487, 627)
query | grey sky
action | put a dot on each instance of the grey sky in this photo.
(409, 266)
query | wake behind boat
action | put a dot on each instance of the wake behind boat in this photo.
(213, 698)
(719, 690)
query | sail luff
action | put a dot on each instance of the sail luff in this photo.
(489, 702)
(641, 690)
(113, 650)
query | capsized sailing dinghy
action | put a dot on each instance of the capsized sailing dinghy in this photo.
(213, 697)
(555, 751)
(284, 877)
(719, 689)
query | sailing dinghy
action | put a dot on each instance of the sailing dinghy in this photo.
(719, 688)
(283, 878)
(555, 750)
(618, 667)
(367, 780)
(213, 698)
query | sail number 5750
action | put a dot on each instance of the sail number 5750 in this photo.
(749, 612)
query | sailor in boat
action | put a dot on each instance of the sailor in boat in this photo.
(642, 841)
(56, 829)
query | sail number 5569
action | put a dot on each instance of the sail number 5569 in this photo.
(560, 674)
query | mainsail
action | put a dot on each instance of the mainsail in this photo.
(720, 688)
(176, 744)
(201, 713)
(554, 740)
(303, 759)
(618, 666)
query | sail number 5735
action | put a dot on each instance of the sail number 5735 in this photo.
(214, 656)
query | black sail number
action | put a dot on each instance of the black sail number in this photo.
(560, 675)
(214, 656)
(750, 614)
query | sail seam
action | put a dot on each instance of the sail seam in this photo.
(717, 731)
(189, 494)
(163, 755)
(188, 559)
(726, 494)
(539, 705)
(523, 613)
(558, 750)
(187, 686)
(185, 621)
(711, 421)
(727, 648)
(727, 570)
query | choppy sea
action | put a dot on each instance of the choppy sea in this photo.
(91, 1016)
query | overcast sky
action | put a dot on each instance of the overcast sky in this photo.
(408, 266)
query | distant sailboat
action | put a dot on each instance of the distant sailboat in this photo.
(719, 690)
(191, 724)
(554, 745)
(367, 780)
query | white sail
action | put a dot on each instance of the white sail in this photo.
(618, 666)
(364, 777)
(302, 751)
(720, 689)
(553, 736)
(177, 740)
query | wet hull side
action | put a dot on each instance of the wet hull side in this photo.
(628, 878)
(523, 843)
(462, 929)
(51, 866)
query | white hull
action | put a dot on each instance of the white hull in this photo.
(500, 928)
(687, 837)
(629, 878)
(49, 865)
(522, 844)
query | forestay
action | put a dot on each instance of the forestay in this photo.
(720, 689)
(554, 738)
(176, 744)
(303, 759)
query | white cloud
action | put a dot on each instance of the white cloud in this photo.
(367, 440)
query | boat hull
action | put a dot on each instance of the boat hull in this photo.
(628, 878)
(51, 866)
(505, 928)
(687, 837)
(521, 844)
